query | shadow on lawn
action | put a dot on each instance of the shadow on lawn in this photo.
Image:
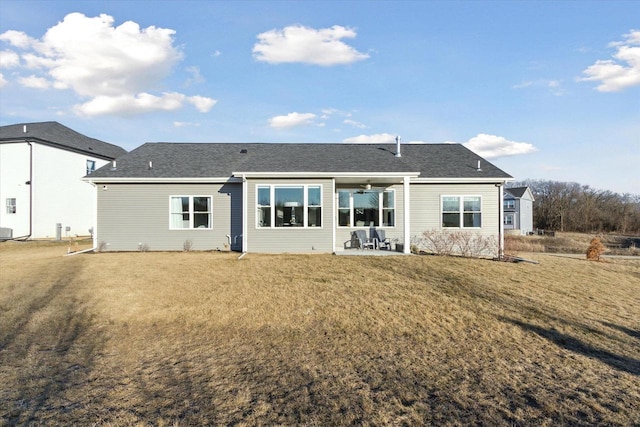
(47, 353)
(622, 363)
(632, 333)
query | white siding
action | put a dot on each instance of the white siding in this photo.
(59, 194)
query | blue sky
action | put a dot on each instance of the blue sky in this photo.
(545, 90)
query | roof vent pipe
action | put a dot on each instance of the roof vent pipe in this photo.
(150, 164)
(478, 169)
(398, 147)
(113, 165)
(24, 129)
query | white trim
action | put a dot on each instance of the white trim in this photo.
(406, 186)
(192, 213)
(460, 180)
(461, 211)
(245, 248)
(334, 214)
(397, 175)
(305, 206)
(381, 208)
(207, 180)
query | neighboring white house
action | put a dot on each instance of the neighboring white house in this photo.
(518, 210)
(293, 197)
(41, 187)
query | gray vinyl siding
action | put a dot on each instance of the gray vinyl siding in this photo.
(343, 234)
(298, 239)
(426, 212)
(134, 214)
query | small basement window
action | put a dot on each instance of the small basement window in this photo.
(11, 205)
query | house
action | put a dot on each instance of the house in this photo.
(41, 187)
(518, 210)
(287, 197)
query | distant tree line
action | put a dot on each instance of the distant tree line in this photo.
(569, 206)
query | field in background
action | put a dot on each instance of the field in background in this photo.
(204, 338)
(573, 243)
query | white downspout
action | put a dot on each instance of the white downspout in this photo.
(500, 221)
(333, 215)
(245, 248)
(407, 216)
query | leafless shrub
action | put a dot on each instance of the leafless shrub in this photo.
(187, 245)
(595, 249)
(143, 247)
(464, 243)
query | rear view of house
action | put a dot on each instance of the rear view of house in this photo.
(41, 187)
(253, 197)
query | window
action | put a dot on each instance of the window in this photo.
(461, 211)
(11, 206)
(508, 220)
(368, 208)
(289, 206)
(510, 204)
(189, 212)
(91, 166)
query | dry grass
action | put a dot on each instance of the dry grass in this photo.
(572, 243)
(202, 338)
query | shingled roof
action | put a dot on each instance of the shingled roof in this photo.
(516, 191)
(56, 135)
(204, 160)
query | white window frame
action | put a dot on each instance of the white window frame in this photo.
(510, 204)
(305, 206)
(381, 208)
(91, 166)
(191, 212)
(11, 205)
(510, 216)
(460, 211)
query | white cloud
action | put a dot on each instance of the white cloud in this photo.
(292, 120)
(9, 59)
(307, 45)
(492, 146)
(185, 124)
(554, 86)
(110, 65)
(34, 82)
(140, 103)
(18, 39)
(621, 72)
(379, 138)
(3, 81)
(202, 104)
(354, 123)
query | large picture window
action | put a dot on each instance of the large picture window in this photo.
(289, 206)
(461, 211)
(366, 208)
(190, 212)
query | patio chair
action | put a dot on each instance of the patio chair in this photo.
(363, 241)
(382, 242)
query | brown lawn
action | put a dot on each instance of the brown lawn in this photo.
(203, 338)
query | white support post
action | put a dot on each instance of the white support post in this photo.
(407, 216)
(244, 214)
